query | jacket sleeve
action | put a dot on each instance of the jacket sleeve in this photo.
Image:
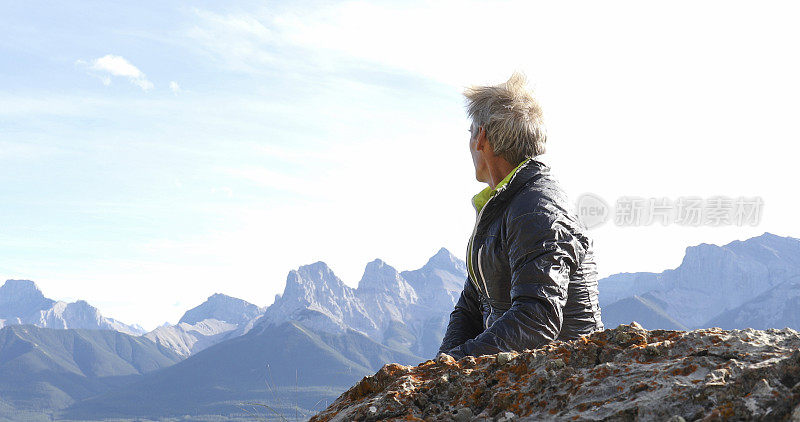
(466, 320)
(542, 254)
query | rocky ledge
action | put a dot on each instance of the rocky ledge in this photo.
(622, 374)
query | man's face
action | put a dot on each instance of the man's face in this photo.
(476, 133)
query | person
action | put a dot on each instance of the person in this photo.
(532, 276)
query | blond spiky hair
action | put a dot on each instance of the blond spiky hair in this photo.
(511, 117)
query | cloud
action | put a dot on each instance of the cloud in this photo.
(174, 87)
(111, 65)
(241, 42)
(222, 190)
(332, 37)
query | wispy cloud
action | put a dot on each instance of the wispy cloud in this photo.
(222, 190)
(272, 179)
(174, 87)
(110, 65)
(240, 42)
(332, 38)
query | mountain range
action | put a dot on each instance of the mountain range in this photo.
(217, 319)
(751, 283)
(44, 369)
(405, 310)
(313, 342)
(21, 302)
(232, 358)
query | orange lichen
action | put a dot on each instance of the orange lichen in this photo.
(601, 372)
(520, 370)
(686, 370)
(476, 394)
(724, 411)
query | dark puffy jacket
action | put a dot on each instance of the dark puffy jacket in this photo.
(532, 276)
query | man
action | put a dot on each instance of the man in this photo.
(531, 271)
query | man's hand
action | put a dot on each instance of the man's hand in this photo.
(466, 321)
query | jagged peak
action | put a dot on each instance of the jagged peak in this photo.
(311, 280)
(221, 307)
(14, 286)
(220, 297)
(702, 254)
(380, 277)
(82, 305)
(443, 252)
(379, 265)
(759, 247)
(316, 267)
(444, 259)
(700, 248)
(314, 275)
(767, 239)
(379, 274)
(766, 236)
(21, 296)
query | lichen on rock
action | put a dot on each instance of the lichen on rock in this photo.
(626, 373)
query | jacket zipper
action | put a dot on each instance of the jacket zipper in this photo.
(480, 271)
(471, 243)
(472, 239)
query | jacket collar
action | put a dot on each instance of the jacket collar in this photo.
(512, 182)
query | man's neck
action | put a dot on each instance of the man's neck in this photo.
(499, 168)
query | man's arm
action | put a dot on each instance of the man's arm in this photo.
(466, 320)
(542, 253)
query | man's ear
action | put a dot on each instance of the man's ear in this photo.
(483, 143)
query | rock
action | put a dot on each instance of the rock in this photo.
(504, 357)
(557, 364)
(795, 414)
(762, 388)
(625, 374)
(507, 416)
(446, 359)
(463, 414)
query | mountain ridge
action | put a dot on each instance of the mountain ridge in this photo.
(320, 324)
(710, 281)
(218, 318)
(52, 368)
(22, 302)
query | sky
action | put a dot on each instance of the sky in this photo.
(153, 153)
